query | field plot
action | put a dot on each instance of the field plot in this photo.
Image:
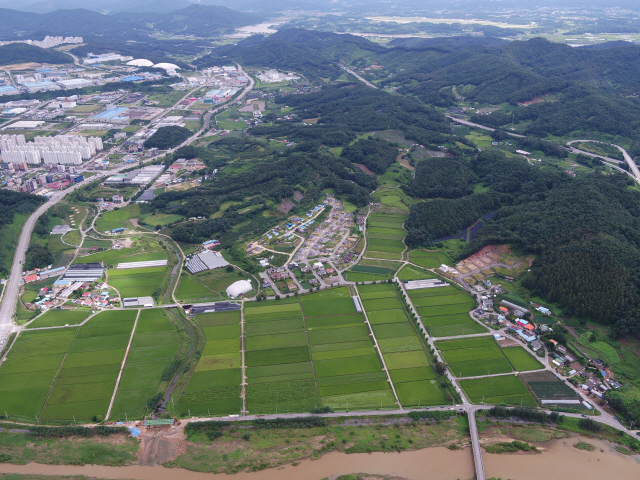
(445, 311)
(116, 218)
(409, 367)
(366, 273)
(474, 357)
(30, 369)
(60, 318)
(279, 370)
(521, 360)
(384, 236)
(428, 259)
(347, 368)
(410, 272)
(507, 389)
(145, 364)
(137, 282)
(546, 386)
(215, 386)
(88, 375)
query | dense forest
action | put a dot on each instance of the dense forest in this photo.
(167, 137)
(22, 53)
(444, 177)
(12, 203)
(585, 232)
(375, 154)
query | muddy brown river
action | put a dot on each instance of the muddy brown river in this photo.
(559, 460)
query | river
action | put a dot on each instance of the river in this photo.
(559, 459)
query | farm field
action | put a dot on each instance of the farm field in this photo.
(133, 254)
(384, 236)
(136, 282)
(207, 285)
(348, 371)
(445, 311)
(427, 259)
(154, 347)
(30, 369)
(507, 389)
(215, 386)
(60, 318)
(411, 272)
(521, 360)
(117, 218)
(87, 378)
(546, 386)
(278, 362)
(474, 357)
(409, 367)
(365, 273)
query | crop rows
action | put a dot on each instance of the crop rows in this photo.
(384, 236)
(409, 367)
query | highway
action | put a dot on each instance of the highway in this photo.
(348, 70)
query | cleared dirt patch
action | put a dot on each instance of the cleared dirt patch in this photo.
(286, 205)
(404, 162)
(365, 169)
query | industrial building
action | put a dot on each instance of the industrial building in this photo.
(141, 176)
(112, 114)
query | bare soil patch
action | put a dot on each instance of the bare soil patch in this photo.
(286, 205)
(365, 169)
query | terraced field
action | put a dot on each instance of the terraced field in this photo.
(385, 235)
(409, 367)
(445, 311)
(215, 386)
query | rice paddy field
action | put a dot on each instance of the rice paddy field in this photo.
(60, 318)
(402, 350)
(445, 311)
(428, 259)
(366, 273)
(64, 374)
(215, 387)
(507, 389)
(153, 348)
(474, 357)
(385, 235)
(136, 282)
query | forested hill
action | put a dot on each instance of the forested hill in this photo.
(584, 231)
(200, 20)
(22, 53)
(12, 203)
(313, 54)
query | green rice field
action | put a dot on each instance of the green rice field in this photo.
(474, 357)
(445, 311)
(137, 282)
(507, 389)
(402, 350)
(384, 236)
(215, 386)
(60, 318)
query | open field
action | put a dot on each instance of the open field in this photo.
(146, 364)
(215, 386)
(547, 386)
(116, 218)
(76, 368)
(385, 234)
(521, 360)
(403, 352)
(474, 357)
(59, 318)
(445, 311)
(137, 282)
(507, 389)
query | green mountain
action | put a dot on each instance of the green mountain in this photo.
(23, 53)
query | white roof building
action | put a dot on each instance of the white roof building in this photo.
(238, 288)
(140, 62)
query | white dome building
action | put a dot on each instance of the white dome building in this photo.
(140, 62)
(167, 66)
(238, 288)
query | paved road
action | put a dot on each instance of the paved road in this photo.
(348, 70)
(634, 171)
(477, 125)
